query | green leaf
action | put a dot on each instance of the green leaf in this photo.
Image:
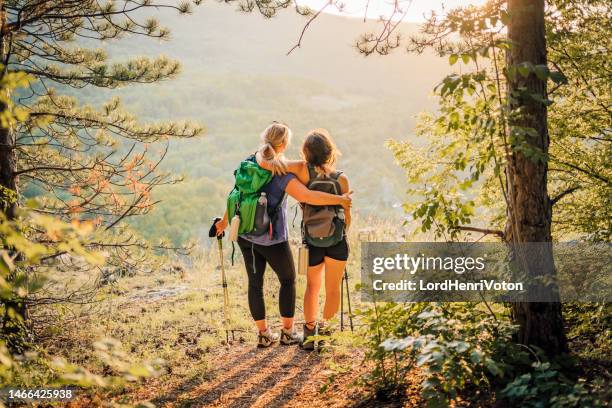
(424, 359)
(538, 98)
(462, 347)
(542, 72)
(428, 314)
(558, 77)
(493, 368)
(505, 17)
(524, 68)
(503, 44)
(476, 356)
(452, 59)
(465, 58)
(454, 118)
(431, 383)
(437, 402)
(511, 72)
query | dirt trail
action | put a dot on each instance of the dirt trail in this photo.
(281, 376)
(234, 376)
(202, 373)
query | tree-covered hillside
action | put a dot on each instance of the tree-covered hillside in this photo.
(237, 78)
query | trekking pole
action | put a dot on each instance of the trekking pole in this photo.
(213, 233)
(348, 299)
(342, 304)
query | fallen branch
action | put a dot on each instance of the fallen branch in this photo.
(484, 231)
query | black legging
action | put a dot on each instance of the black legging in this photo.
(281, 260)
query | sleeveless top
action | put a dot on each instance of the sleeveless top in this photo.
(275, 192)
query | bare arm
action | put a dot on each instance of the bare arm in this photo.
(297, 167)
(345, 188)
(302, 194)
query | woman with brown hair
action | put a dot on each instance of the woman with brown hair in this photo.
(319, 159)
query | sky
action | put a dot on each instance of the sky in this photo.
(415, 9)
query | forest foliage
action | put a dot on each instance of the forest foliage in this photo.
(467, 141)
(92, 166)
(461, 191)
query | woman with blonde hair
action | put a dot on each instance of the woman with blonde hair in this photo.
(273, 248)
(319, 160)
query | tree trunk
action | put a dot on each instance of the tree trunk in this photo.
(14, 329)
(529, 207)
(8, 184)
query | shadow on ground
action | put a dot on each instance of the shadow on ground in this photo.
(264, 377)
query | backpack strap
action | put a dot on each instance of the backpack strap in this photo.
(274, 215)
(335, 175)
(312, 172)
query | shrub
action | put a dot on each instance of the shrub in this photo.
(546, 386)
(457, 346)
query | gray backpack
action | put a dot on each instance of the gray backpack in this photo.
(323, 225)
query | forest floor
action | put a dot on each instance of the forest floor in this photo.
(178, 317)
(245, 376)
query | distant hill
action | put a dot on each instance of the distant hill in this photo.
(237, 78)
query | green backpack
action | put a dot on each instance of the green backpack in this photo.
(250, 178)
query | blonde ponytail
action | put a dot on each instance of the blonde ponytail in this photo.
(273, 137)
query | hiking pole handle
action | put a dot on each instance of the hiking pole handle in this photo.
(212, 232)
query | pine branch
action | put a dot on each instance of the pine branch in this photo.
(77, 13)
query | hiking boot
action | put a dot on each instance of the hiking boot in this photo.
(308, 343)
(289, 337)
(266, 339)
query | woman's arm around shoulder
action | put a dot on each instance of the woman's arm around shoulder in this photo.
(302, 194)
(296, 167)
